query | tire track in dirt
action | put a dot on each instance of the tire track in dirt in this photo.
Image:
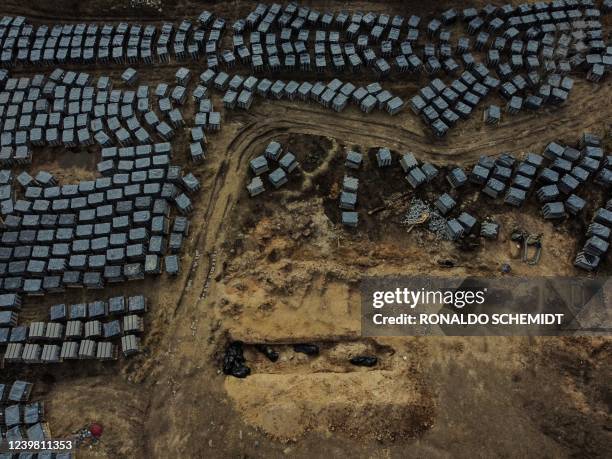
(517, 134)
(343, 129)
(65, 11)
(203, 230)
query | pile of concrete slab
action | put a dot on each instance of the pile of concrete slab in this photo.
(417, 174)
(114, 228)
(266, 163)
(67, 108)
(554, 36)
(348, 201)
(239, 92)
(37, 45)
(556, 179)
(557, 176)
(598, 239)
(461, 226)
(442, 225)
(23, 419)
(530, 48)
(353, 163)
(82, 331)
(117, 227)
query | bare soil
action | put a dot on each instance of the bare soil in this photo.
(279, 269)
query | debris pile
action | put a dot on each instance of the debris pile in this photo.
(416, 214)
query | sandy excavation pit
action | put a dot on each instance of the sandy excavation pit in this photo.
(279, 269)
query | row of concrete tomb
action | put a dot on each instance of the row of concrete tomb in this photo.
(114, 308)
(540, 26)
(81, 330)
(86, 349)
(336, 94)
(65, 108)
(134, 43)
(135, 194)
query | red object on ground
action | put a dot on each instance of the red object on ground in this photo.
(96, 430)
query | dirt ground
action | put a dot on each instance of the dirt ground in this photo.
(279, 269)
